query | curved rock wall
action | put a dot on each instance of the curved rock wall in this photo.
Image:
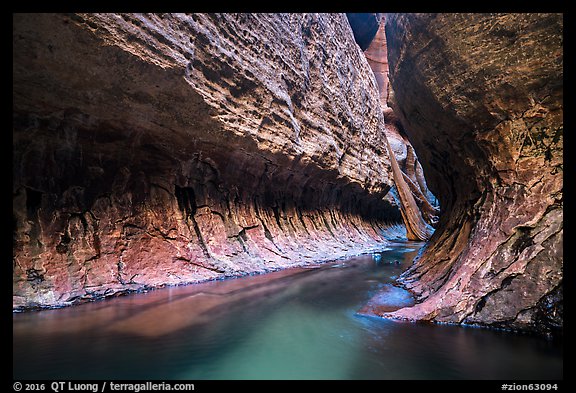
(480, 96)
(165, 149)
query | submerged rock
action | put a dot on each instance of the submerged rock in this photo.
(389, 298)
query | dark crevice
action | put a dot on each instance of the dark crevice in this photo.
(507, 281)
(333, 218)
(186, 200)
(277, 216)
(35, 276)
(327, 225)
(33, 202)
(267, 233)
(301, 218)
(188, 260)
(62, 247)
(241, 239)
(524, 240)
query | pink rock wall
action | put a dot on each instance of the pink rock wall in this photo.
(174, 148)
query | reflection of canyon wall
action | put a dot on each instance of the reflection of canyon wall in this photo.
(162, 149)
(480, 96)
(417, 203)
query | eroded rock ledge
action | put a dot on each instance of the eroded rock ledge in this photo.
(480, 97)
(166, 149)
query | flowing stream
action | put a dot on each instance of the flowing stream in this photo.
(299, 323)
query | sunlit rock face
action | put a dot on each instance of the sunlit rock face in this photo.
(480, 98)
(419, 206)
(165, 149)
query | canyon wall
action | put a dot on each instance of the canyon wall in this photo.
(418, 205)
(480, 98)
(173, 148)
(166, 149)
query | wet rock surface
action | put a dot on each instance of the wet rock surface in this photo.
(165, 149)
(389, 298)
(480, 98)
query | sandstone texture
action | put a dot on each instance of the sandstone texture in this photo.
(480, 98)
(418, 205)
(152, 150)
(377, 55)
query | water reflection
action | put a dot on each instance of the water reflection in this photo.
(297, 323)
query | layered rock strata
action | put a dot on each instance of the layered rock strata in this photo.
(167, 149)
(480, 98)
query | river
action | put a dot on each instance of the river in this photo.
(299, 323)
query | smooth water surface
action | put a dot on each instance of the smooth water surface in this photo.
(298, 323)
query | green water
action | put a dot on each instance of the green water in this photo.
(293, 324)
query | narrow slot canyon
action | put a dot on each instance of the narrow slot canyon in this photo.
(192, 180)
